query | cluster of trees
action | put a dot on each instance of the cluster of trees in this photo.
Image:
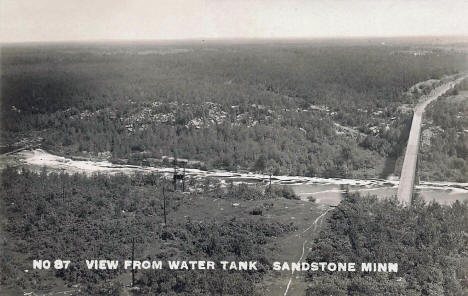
(445, 156)
(249, 192)
(428, 241)
(74, 217)
(51, 86)
(232, 241)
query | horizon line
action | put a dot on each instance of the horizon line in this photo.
(203, 39)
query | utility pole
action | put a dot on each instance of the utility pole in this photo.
(62, 179)
(269, 187)
(183, 180)
(133, 259)
(164, 204)
(175, 178)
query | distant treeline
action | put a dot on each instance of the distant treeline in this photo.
(141, 101)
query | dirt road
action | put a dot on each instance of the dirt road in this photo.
(304, 235)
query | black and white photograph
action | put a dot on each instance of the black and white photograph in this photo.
(234, 147)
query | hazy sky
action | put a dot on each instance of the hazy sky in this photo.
(47, 20)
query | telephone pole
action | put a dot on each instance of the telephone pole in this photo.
(164, 204)
(62, 179)
(133, 259)
(183, 180)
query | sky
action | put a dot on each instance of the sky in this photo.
(76, 20)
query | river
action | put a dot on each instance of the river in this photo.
(323, 190)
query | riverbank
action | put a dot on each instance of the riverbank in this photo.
(323, 190)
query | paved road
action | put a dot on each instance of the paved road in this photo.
(408, 171)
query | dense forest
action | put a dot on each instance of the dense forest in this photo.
(74, 217)
(331, 109)
(301, 108)
(444, 154)
(77, 217)
(428, 241)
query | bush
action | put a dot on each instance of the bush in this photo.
(257, 211)
(281, 192)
